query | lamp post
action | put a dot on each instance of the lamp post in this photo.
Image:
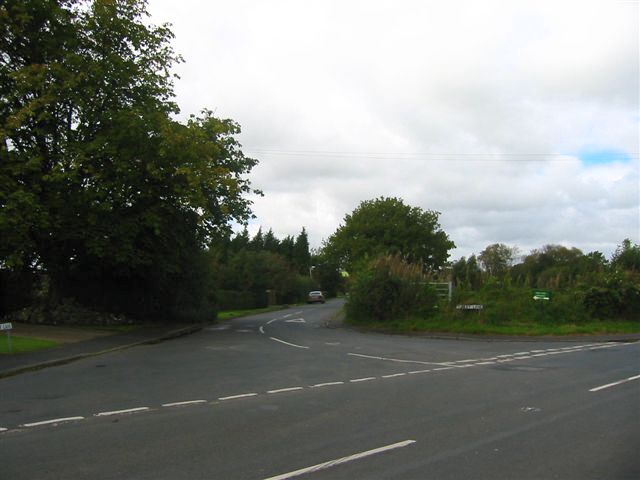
(311, 268)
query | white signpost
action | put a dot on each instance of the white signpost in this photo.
(6, 327)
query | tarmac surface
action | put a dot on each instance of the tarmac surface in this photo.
(77, 343)
(81, 342)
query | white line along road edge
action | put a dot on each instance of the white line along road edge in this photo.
(52, 421)
(339, 461)
(287, 343)
(614, 384)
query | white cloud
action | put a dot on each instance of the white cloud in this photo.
(442, 104)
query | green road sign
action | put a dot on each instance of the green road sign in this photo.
(541, 295)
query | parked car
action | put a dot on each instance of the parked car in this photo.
(315, 296)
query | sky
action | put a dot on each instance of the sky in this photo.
(517, 120)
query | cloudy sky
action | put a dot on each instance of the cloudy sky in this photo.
(517, 120)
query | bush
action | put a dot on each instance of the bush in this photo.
(616, 297)
(390, 289)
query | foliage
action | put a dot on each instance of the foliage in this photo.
(252, 272)
(389, 288)
(497, 258)
(99, 187)
(627, 256)
(386, 226)
(617, 295)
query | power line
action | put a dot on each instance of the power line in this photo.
(435, 156)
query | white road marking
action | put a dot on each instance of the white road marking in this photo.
(262, 329)
(327, 384)
(235, 397)
(339, 461)
(393, 375)
(296, 320)
(55, 420)
(484, 363)
(609, 385)
(187, 402)
(283, 390)
(287, 343)
(121, 412)
(397, 360)
(271, 321)
(2, 429)
(444, 368)
(415, 372)
(364, 379)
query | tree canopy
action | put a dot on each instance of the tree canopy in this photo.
(388, 226)
(96, 178)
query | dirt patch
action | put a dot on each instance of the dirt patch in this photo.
(56, 333)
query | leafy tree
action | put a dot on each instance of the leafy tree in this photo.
(627, 256)
(497, 258)
(97, 183)
(388, 226)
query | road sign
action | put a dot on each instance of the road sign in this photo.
(6, 326)
(542, 295)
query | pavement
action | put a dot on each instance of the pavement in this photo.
(77, 343)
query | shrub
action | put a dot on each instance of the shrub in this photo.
(389, 288)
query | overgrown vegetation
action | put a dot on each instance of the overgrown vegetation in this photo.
(588, 294)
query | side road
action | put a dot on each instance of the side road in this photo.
(88, 344)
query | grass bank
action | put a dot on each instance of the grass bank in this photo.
(473, 326)
(24, 344)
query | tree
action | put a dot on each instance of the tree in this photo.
(97, 182)
(627, 256)
(301, 254)
(388, 226)
(497, 258)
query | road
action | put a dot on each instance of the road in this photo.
(280, 396)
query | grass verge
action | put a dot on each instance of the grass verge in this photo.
(513, 328)
(24, 344)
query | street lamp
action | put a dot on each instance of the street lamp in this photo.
(311, 268)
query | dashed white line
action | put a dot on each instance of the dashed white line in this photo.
(288, 343)
(444, 368)
(2, 429)
(283, 390)
(614, 384)
(326, 384)
(339, 461)
(415, 372)
(186, 402)
(262, 329)
(393, 375)
(53, 421)
(364, 379)
(235, 397)
(122, 412)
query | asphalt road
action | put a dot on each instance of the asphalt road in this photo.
(281, 396)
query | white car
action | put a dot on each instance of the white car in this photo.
(315, 297)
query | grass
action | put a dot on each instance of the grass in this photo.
(471, 326)
(24, 344)
(229, 314)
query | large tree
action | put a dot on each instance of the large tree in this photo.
(96, 178)
(389, 226)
